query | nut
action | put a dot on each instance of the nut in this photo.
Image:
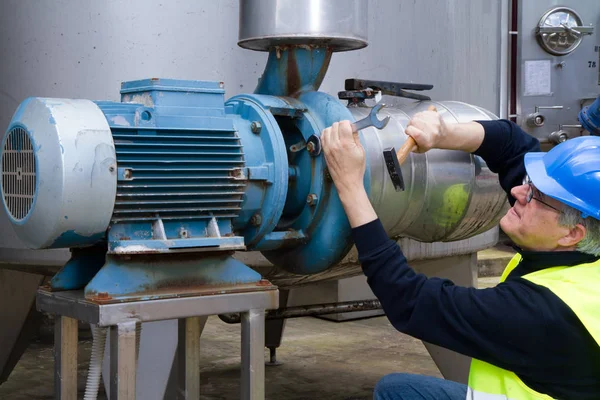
(256, 219)
(310, 146)
(255, 127)
(311, 199)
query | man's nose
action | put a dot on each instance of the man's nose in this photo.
(520, 193)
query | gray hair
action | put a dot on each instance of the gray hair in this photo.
(590, 244)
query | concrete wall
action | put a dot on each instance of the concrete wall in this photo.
(85, 48)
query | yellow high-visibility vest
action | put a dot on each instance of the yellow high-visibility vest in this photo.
(578, 287)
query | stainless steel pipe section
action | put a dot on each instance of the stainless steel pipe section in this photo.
(340, 25)
(450, 195)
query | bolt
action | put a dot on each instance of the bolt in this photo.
(183, 233)
(310, 146)
(561, 65)
(311, 199)
(256, 219)
(255, 127)
(111, 168)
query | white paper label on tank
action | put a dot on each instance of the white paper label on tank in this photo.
(537, 80)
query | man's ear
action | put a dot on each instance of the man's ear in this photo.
(574, 236)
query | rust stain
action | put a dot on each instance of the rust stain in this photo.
(321, 75)
(177, 289)
(293, 75)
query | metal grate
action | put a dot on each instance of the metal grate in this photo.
(18, 173)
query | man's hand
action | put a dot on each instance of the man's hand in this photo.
(428, 129)
(347, 161)
(345, 156)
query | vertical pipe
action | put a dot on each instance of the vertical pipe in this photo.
(291, 70)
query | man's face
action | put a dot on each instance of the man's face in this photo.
(533, 225)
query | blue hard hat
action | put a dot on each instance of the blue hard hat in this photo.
(570, 173)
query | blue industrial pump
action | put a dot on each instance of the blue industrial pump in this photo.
(173, 168)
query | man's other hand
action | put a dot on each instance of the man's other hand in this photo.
(345, 156)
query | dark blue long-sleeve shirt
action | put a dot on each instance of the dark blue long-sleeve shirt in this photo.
(517, 325)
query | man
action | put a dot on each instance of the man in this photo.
(537, 334)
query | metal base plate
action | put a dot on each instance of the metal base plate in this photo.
(73, 304)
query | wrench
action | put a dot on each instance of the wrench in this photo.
(313, 144)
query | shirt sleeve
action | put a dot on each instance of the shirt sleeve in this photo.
(503, 149)
(504, 325)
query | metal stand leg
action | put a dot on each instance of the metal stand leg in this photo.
(65, 358)
(122, 361)
(188, 357)
(253, 355)
(274, 331)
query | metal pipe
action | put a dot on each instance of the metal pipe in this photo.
(291, 70)
(311, 310)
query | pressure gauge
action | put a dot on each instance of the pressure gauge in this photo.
(561, 30)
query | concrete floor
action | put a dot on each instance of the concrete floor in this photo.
(321, 360)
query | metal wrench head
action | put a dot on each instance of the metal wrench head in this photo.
(377, 123)
(371, 120)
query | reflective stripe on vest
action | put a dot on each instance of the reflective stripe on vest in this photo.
(473, 395)
(576, 286)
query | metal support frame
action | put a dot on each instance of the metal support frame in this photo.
(122, 360)
(192, 312)
(253, 355)
(188, 357)
(65, 358)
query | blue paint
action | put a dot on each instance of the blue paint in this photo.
(51, 120)
(80, 269)
(294, 70)
(326, 225)
(73, 239)
(164, 276)
(264, 150)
